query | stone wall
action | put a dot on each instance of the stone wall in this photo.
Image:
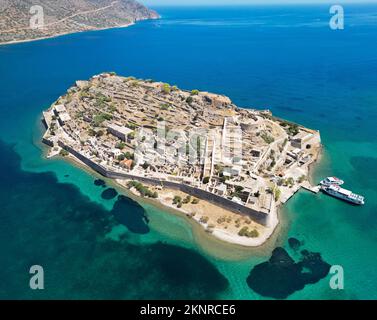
(257, 216)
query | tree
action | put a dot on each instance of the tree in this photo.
(177, 200)
(131, 135)
(189, 100)
(195, 201)
(277, 193)
(63, 153)
(120, 145)
(166, 88)
(206, 180)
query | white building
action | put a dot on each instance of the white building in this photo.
(119, 132)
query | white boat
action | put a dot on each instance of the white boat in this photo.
(331, 181)
(343, 194)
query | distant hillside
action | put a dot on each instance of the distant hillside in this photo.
(66, 16)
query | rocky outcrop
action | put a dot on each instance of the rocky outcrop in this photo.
(281, 275)
(65, 16)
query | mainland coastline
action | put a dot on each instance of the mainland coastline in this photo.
(27, 22)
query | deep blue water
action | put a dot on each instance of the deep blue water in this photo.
(286, 59)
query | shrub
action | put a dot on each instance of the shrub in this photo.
(195, 92)
(143, 190)
(120, 145)
(293, 129)
(244, 232)
(206, 180)
(166, 88)
(189, 100)
(177, 199)
(204, 219)
(131, 135)
(267, 138)
(63, 153)
(195, 201)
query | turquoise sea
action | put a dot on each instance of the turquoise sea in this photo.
(284, 58)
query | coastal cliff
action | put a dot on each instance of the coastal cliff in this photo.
(26, 20)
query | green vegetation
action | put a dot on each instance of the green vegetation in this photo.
(132, 126)
(189, 100)
(277, 193)
(131, 135)
(129, 78)
(195, 201)
(195, 92)
(112, 108)
(166, 88)
(293, 129)
(301, 179)
(100, 118)
(206, 180)
(244, 232)
(177, 200)
(120, 145)
(223, 178)
(204, 219)
(164, 106)
(221, 220)
(143, 190)
(129, 156)
(63, 153)
(187, 200)
(101, 100)
(267, 138)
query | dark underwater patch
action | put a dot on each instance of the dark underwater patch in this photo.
(109, 194)
(131, 214)
(99, 183)
(52, 224)
(281, 275)
(294, 243)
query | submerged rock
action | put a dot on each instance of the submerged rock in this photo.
(294, 243)
(281, 276)
(131, 214)
(109, 194)
(99, 183)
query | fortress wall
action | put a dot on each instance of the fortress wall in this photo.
(257, 216)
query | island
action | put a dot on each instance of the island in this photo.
(227, 168)
(26, 20)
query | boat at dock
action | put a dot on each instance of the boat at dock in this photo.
(331, 181)
(337, 192)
